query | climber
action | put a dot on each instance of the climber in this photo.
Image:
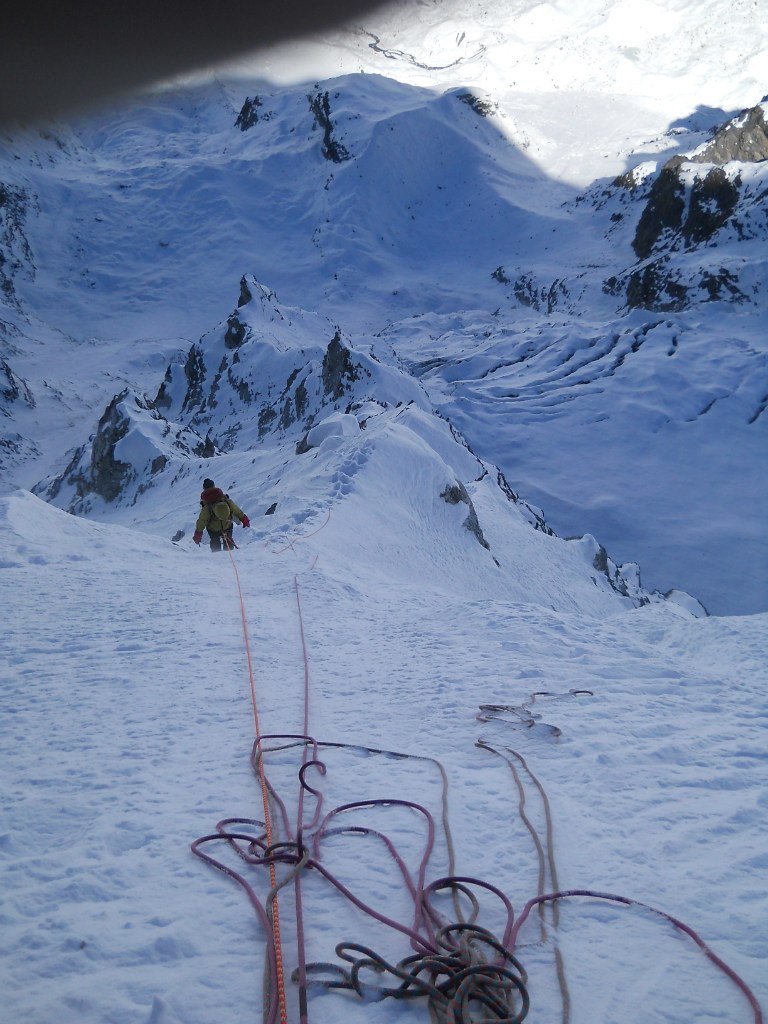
(216, 514)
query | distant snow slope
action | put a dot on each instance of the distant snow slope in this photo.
(585, 87)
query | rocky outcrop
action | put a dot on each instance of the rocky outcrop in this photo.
(108, 474)
(236, 332)
(692, 211)
(339, 372)
(528, 291)
(656, 287)
(249, 114)
(694, 203)
(320, 105)
(713, 200)
(533, 515)
(457, 493)
(15, 251)
(481, 105)
(271, 368)
(13, 389)
(133, 442)
(623, 579)
(744, 139)
(663, 212)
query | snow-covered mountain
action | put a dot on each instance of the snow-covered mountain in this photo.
(426, 297)
(278, 395)
(602, 343)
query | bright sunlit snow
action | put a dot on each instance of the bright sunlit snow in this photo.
(128, 727)
(427, 310)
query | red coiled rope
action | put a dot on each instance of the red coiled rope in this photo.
(437, 955)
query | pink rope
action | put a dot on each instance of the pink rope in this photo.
(258, 850)
(627, 901)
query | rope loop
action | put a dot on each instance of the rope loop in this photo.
(461, 968)
(451, 983)
(320, 765)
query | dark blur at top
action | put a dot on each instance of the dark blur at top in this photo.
(58, 58)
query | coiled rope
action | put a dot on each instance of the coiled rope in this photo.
(457, 965)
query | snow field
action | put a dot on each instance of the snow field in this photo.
(126, 721)
(128, 727)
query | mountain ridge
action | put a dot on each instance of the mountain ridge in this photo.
(522, 256)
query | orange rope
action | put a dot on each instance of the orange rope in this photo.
(265, 799)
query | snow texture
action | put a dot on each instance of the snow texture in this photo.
(493, 396)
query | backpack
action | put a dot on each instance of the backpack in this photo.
(221, 511)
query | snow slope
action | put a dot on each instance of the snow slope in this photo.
(127, 726)
(398, 632)
(582, 86)
(457, 199)
(433, 330)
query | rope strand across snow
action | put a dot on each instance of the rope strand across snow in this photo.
(459, 966)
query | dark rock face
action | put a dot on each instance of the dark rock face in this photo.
(14, 391)
(236, 332)
(713, 196)
(15, 252)
(108, 476)
(686, 207)
(723, 285)
(333, 150)
(480, 106)
(602, 563)
(663, 211)
(679, 216)
(655, 287)
(713, 200)
(237, 396)
(544, 297)
(744, 139)
(194, 371)
(13, 388)
(266, 415)
(249, 113)
(453, 495)
(531, 293)
(245, 293)
(338, 369)
(534, 516)
(96, 470)
(162, 398)
(301, 398)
